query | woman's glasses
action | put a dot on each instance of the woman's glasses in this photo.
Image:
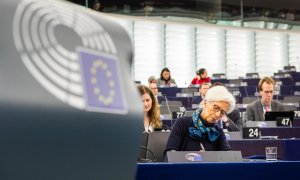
(217, 108)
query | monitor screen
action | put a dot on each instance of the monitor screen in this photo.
(273, 115)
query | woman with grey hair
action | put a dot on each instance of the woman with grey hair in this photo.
(200, 132)
(152, 79)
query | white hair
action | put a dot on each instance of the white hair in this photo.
(221, 93)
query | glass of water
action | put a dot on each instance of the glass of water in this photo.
(271, 153)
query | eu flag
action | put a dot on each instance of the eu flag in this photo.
(101, 79)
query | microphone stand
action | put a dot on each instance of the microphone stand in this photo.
(169, 110)
(246, 91)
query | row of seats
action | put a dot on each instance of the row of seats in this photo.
(241, 91)
(174, 103)
(288, 71)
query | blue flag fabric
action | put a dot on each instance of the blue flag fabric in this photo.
(103, 89)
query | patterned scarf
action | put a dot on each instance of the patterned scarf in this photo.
(199, 129)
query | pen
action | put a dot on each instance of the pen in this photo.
(202, 147)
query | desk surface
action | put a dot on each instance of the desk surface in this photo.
(287, 149)
(281, 132)
(257, 147)
(245, 170)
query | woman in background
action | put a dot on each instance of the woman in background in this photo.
(152, 79)
(151, 109)
(201, 77)
(165, 79)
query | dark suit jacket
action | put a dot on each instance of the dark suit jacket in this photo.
(235, 121)
(197, 100)
(255, 111)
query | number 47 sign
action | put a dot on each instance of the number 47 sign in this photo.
(283, 121)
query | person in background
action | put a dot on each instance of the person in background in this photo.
(200, 132)
(154, 89)
(165, 79)
(151, 109)
(257, 109)
(152, 79)
(97, 6)
(232, 121)
(201, 77)
(202, 90)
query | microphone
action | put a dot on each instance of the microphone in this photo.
(147, 160)
(246, 91)
(169, 110)
(256, 92)
(279, 90)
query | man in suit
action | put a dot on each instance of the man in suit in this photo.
(202, 90)
(232, 122)
(257, 109)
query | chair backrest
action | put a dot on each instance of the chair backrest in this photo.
(282, 75)
(184, 94)
(249, 91)
(290, 68)
(292, 99)
(157, 142)
(252, 75)
(252, 81)
(248, 100)
(290, 106)
(235, 82)
(189, 90)
(172, 103)
(295, 74)
(286, 90)
(219, 76)
(165, 110)
(234, 90)
(189, 113)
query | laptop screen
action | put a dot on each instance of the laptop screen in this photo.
(273, 115)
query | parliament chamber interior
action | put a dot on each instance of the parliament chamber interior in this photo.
(73, 73)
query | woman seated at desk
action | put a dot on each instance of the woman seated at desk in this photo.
(200, 132)
(201, 77)
(151, 109)
(165, 79)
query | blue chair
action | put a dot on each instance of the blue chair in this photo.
(186, 101)
(295, 74)
(223, 81)
(252, 82)
(290, 68)
(248, 91)
(252, 76)
(169, 91)
(286, 90)
(284, 81)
